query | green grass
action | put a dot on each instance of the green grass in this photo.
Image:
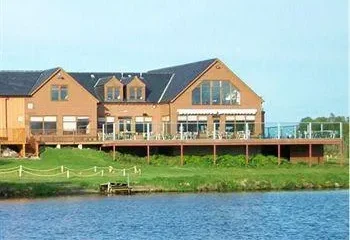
(165, 174)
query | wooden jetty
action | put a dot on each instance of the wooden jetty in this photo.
(115, 188)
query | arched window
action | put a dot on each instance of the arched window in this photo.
(215, 92)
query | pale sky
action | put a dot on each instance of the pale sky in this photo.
(292, 53)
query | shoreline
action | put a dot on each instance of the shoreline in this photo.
(13, 195)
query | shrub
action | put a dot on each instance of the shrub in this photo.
(203, 161)
(231, 161)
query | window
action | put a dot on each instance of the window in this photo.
(43, 125)
(196, 124)
(205, 93)
(141, 124)
(75, 125)
(215, 92)
(113, 94)
(136, 93)
(59, 93)
(196, 96)
(124, 124)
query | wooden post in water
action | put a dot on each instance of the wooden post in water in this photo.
(214, 154)
(279, 154)
(246, 154)
(310, 154)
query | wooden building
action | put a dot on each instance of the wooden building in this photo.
(194, 104)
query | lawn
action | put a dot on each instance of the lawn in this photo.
(163, 174)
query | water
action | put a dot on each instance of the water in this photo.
(275, 215)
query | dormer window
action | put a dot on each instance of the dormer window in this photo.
(113, 94)
(136, 93)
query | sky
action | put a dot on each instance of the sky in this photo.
(292, 53)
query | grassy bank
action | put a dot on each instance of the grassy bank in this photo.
(164, 174)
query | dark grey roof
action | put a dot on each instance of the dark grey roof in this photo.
(183, 75)
(102, 81)
(43, 76)
(162, 85)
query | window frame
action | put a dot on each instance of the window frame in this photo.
(216, 88)
(59, 92)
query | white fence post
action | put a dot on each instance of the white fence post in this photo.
(181, 131)
(20, 171)
(113, 131)
(62, 169)
(67, 173)
(135, 169)
(102, 172)
(214, 131)
(246, 131)
(103, 132)
(278, 130)
(110, 169)
(95, 169)
(147, 131)
(310, 130)
(124, 172)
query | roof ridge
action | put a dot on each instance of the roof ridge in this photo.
(182, 65)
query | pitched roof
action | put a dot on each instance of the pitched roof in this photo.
(183, 75)
(43, 77)
(17, 83)
(162, 85)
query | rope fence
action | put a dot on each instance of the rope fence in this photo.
(67, 172)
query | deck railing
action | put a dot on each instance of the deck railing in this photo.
(182, 131)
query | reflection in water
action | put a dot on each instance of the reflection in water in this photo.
(276, 215)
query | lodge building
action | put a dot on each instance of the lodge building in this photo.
(195, 104)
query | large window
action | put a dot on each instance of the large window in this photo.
(75, 125)
(141, 124)
(135, 93)
(215, 92)
(43, 125)
(59, 93)
(113, 94)
(196, 124)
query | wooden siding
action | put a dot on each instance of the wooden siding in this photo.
(80, 102)
(12, 119)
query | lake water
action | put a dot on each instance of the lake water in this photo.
(270, 215)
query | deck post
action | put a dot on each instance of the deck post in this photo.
(113, 152)
(214, 154)
(37, 149)
(310, 154)
(148, 132)
(148, 157)
(24, 150)
(246, 154)
(181, 155)
(279, 154)
(113, 131)
(278, 130)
